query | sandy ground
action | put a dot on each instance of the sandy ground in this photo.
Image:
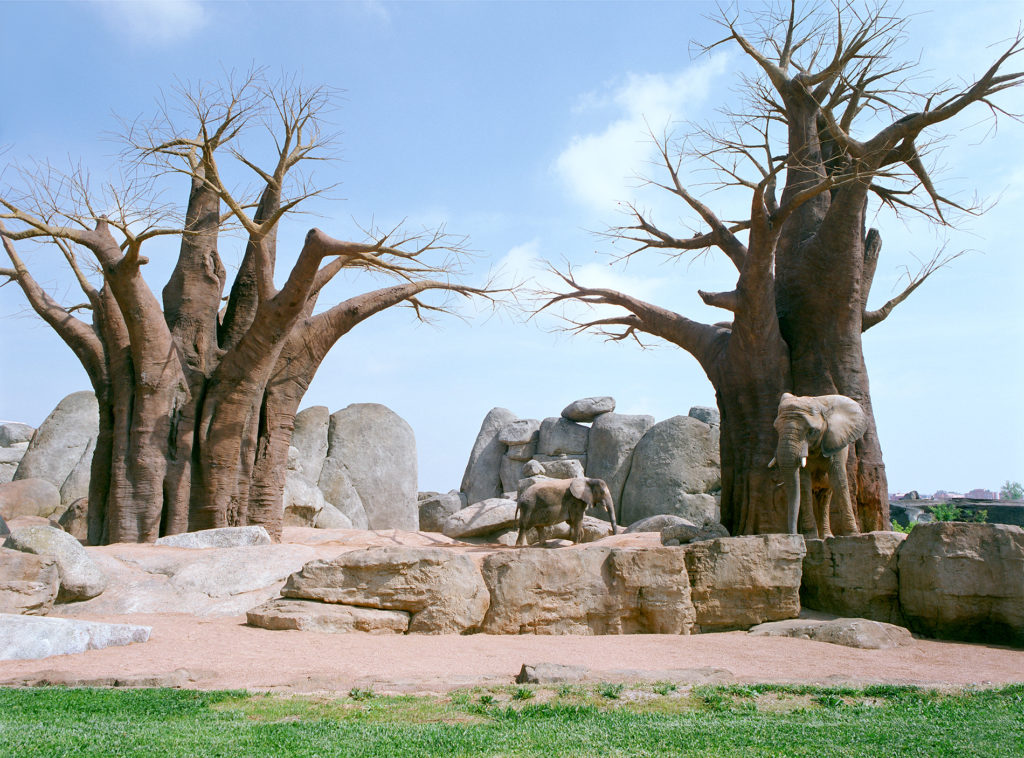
(214, 653)
(225, 653)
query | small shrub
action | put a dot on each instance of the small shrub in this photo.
(487, 700)
(663, 688)
(611, 691)
(829, 700)
(946, 512)
(522, 693)
(898, 527)
(359, 694)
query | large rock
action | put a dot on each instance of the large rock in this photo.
(559, 436)
(330, 517)
(436, 509)
(23, 637)
(15, 433)
(28, 583)
(658, 523)
(228, 536)
(80, 577)
(10, 457)
(511, 471)
(854, 576)
(482, 479)
(57, 446)
(29, 497)
(314, 616)
(485, 517)
(589, 591)
(709, 416)
(610, 450)
(75, 520)
(303, 501)
(675, 465)
(442, 590)
(336, 486)
(216, 582)
(849, 632)
(310, 441)
(377, 448)
(684, 533)
(77, 483)
(588, 409)
(737, 582)
(964, 581)
(522, 431)
(562, 468)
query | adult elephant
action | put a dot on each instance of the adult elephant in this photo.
(552, 501)
(814, 434)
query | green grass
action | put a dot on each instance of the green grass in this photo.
(577, 720)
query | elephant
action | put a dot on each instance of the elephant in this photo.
(814, 434)
(552, 501)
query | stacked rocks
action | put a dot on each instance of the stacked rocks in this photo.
(650, 468)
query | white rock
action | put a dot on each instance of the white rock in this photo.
(28, 637)
(228, 536)
(80, 577)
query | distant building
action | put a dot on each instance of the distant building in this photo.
(943, 495)
(980, 494)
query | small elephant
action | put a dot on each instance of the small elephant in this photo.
(814, 434)
(552, 501)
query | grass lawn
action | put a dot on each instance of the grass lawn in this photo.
(573, 720)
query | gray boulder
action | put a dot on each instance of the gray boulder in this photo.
(77, 483)
(10, 457)
(228, 536)
(338, 490)
(435, 510)
(682, 534)
(659, 523)
(562, 468)
(58, 444)
(4, 530)
(28, 583)
(330, 517)
(675, 467)
(482, 479)
(709, 416)
(588, 409)
(80, 577)
(559, 436)
(481, 518)
(303, 501)
(377, 449)
(29, 497)
(25, 637)
(519, 432)
(442, 590)
(849, 632)
(610, 450)
(310, 441)
(314, 616)
(15, 433)
(511, 472)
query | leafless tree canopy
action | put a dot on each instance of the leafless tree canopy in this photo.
(197, 388)
(830, 122)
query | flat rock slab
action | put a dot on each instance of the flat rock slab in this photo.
(859, 633)
(314, 616)
(588, 408)
(29, 637)
(558, 673)
(485, 517)
(229, 536)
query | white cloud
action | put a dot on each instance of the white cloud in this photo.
(160, 22)
(599, 169)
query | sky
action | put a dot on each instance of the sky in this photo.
(524, 126)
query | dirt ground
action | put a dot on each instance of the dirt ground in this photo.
(215, 653)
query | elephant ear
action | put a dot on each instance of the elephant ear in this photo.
(578, 489)
(847, 423)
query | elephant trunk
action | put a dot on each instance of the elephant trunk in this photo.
(790, 456)
(611, 514)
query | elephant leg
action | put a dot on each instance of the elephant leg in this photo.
(576, 530)
(822, 512)
(807, 526)
(525, 515)
(841, 489)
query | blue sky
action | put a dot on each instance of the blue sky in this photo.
(521, 125)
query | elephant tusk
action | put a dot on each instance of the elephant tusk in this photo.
(771, 463)
(803, 463)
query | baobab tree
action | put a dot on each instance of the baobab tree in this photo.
(197, 390)
(829, 126)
